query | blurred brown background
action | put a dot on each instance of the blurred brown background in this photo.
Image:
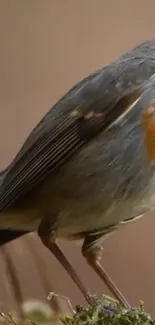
(46, 46)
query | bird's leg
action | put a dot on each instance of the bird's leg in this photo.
(48, 239)
(93, 256)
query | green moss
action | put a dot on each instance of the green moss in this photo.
(108, 312)
(105, 311)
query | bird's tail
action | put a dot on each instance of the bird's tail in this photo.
(7, 235)
(2, 175)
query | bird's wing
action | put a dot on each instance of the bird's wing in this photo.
(92, 104)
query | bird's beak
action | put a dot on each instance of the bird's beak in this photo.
(148, 120)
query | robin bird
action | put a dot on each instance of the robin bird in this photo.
(86, 168)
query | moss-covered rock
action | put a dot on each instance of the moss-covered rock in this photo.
(108, 312)
(105, 311)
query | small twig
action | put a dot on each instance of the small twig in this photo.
(53, 294)
(9, 318)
